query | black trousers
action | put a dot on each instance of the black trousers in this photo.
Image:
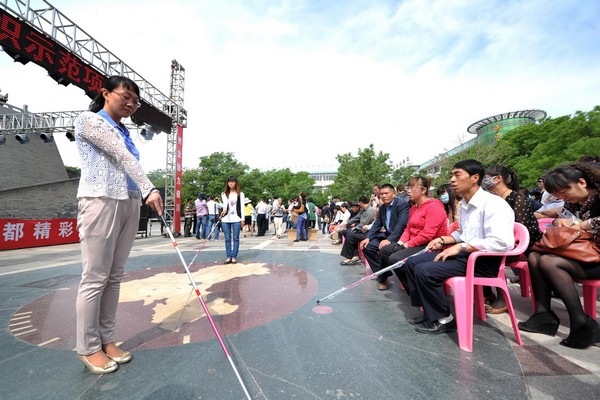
(371, 252)
(393, 253)
(351, 241)
(262, 223)
(425, 279)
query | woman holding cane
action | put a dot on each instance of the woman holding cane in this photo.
(111, 190)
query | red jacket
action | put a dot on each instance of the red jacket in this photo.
(425, 223)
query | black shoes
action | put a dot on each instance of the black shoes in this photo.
(419, 319)
(584, 336)
(436, 327)
(546, 322)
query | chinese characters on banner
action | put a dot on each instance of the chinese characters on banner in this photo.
(178, 178)
(19, 38)
(25, 233)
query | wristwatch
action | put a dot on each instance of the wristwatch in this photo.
(464, 246)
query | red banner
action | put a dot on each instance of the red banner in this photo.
(25, 233)
(178, 178)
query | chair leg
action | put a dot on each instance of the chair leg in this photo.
(463, 312)
(511, 313)
(589, 300)
(479, 302)
(524, 282)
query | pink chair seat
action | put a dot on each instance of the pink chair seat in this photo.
(468, 289)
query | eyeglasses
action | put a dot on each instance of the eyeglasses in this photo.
(128, 99)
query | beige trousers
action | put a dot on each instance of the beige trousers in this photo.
(107, 229)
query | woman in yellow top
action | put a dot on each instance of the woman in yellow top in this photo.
(248, 222)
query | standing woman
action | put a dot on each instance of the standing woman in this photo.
(302, 210)
(111, 189)
(579, 186)
(232, 217)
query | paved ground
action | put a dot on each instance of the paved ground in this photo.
(355, 346)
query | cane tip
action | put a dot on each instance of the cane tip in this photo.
(318, 301)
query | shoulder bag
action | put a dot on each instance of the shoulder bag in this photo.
(569, 243)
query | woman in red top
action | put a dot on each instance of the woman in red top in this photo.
(427, 220)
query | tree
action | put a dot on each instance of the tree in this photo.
(403, 175)
(158, 177)
(533, 149)
(213, 171)
(357, 175)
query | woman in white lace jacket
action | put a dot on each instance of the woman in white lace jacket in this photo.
(111, 188)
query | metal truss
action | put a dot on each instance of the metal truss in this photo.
(38, 122)
(59, 27)
(64, 31)
(177, 113)
(53, 121)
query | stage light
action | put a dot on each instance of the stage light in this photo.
(147, 133)
(70, 135)
(22, 138)
(47, 137)
(2, 138)
(61, 80)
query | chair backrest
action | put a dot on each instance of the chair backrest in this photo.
(521, 240)
(545, 223)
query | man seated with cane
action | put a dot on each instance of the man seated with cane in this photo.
(486, 224)
(387, 228)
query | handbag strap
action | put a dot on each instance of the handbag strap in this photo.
(566, 241)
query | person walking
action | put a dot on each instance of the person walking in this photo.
(111, 189)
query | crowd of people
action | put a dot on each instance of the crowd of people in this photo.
(476, 211)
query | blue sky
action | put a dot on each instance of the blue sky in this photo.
(294, 83)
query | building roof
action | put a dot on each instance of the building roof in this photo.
(535, 115)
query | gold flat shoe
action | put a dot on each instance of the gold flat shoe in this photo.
(111, 366)
(122, 359)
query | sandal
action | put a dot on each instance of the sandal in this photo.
(491, 310)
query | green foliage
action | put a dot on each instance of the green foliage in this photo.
(158, 177)
(211, 175)
(533, 149)
(356, 175)
(403, 175)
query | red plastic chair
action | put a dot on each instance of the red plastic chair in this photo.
(469, 289)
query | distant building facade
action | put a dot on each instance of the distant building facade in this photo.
(488, 130)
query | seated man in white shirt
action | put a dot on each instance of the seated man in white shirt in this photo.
(486, 224)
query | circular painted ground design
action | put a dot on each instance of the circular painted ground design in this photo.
(158, 307)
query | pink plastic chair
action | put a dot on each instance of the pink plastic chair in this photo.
(545, 223)
(523, 266)
(590, 287)
(361, 255)
(468, 289)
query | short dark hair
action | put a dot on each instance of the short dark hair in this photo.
(472, 167)
(363, 199)
(388, 186)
